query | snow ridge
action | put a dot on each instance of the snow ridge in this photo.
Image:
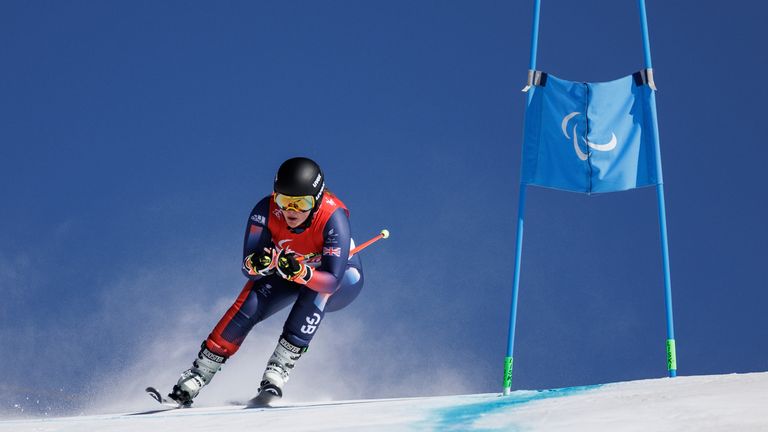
(703, 403)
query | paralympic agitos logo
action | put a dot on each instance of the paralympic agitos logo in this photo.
(610, 145)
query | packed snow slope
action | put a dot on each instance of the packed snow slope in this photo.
(702, 403)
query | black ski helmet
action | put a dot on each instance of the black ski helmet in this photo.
(300, 176)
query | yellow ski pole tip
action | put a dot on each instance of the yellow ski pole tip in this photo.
(384, 233)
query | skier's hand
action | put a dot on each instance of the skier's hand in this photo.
(262, 264)
(289, 267)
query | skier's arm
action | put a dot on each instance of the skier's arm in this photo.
(257, 235)
(335, 254)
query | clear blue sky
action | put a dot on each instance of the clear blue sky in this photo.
(136, 136)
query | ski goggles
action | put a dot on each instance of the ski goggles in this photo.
(295, 203)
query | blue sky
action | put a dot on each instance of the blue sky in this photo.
(136, 136)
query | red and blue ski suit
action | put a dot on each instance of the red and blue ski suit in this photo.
(333, 284)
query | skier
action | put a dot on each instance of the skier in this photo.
(301, 217)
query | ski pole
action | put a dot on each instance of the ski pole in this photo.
(382, 235)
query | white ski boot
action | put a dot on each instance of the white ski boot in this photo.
(277, 373)
(192, 380)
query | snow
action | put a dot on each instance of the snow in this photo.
(734, 402)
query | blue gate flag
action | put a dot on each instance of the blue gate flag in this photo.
(590, 137)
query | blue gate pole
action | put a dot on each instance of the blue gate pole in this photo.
(508, 360)
(671, 350)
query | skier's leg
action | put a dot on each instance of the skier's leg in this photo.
(258, 300)
(300, 327)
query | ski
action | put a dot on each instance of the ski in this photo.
(164, 400)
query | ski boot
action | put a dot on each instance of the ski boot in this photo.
(192, 380)
(277, 372)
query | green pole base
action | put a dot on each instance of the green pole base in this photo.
(507, 375)
(671, 358)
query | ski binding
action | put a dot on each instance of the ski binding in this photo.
(165, 400)
(267, 394)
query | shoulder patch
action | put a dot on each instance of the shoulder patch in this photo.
(332, 251)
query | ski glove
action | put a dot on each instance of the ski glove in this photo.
(262, 264)
(289, 267)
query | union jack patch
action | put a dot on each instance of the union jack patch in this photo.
(332, 251)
